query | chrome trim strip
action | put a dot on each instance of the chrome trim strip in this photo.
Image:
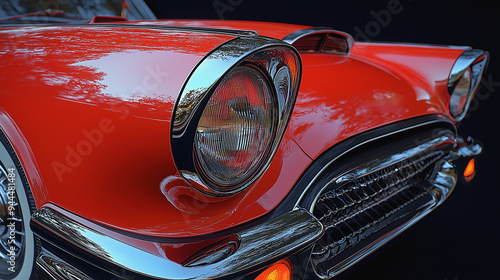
(477, 60)
(306, 189)
(266, 242)
(59, 269)
(445, 180)
(296, 35)
(423, 45)
(148, 25)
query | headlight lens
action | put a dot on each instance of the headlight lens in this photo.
(236, 128)
(458, 99)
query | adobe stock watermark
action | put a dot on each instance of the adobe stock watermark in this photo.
(94, 137)
(11, 219)
(381, 19)
(75, 154)
(223, 6)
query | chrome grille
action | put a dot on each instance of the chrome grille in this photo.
(357, 210)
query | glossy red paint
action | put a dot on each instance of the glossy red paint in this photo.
(24, 153)
(104, 104)
(425, 67)
(341, 96)
(103, 96)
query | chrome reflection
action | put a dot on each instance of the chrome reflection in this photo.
(427, 192)
(381, 163)
(266, 242)
(364, 143)
(467, 147)
(211, 70)
(442, 185)
(59, 269)
(473, 63)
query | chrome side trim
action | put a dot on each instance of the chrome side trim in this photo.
(266, 242)
(477, 61)
(296, 35)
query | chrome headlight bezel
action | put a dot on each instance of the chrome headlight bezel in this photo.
(273, 59)
(464, 79)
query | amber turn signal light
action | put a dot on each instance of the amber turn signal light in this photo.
(470, 170)
(281, 270)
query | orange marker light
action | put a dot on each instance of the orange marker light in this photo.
(277, 271)
(470, 170)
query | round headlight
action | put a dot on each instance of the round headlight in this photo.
(458, 99)
(236, 129)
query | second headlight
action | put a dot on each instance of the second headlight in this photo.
(464, 79)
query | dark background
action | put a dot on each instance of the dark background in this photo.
(460, 239)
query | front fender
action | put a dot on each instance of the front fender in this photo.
(341, 96)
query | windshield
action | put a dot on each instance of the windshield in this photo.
(35, 11)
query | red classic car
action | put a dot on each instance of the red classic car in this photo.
(206, 149)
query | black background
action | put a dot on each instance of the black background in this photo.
(460, 239)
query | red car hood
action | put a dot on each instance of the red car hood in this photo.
(74, 94)
(88, 110)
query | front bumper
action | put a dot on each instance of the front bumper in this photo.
(63, 232)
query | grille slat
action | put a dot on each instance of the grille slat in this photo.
(355, 209)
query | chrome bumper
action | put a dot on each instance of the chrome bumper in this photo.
(258, 246)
